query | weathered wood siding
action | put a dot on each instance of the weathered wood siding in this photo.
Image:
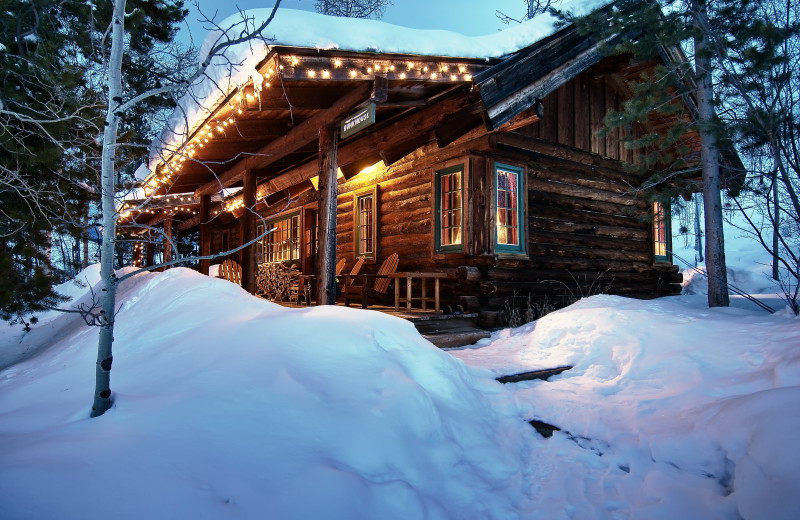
(588, 230)
(573, 116)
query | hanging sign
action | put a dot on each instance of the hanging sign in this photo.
(358, 121)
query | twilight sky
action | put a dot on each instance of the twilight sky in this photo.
(468, 17)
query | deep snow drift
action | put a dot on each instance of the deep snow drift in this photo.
(228, 406)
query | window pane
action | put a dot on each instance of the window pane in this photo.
(659, 229)
(450, 201)
(366, 228)
(456, 236)
(283, 243)
(507, 207)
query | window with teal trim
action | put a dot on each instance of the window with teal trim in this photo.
(449, 208)
(661, 232)
(510, 228)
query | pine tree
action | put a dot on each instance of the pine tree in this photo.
(46, 118)
(760, 90)
(52, 59)
(649, 29)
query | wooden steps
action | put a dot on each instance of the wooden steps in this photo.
(450, 330)
(457, 337)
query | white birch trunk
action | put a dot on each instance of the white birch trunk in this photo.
(709, 156)
(102, 391)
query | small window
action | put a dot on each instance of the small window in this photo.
(282, 244)
(449, 195)
(365, 224)
(510, 230)
(661, 232)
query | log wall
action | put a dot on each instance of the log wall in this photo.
(587, 229)
(588, 232)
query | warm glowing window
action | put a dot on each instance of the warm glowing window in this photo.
(509, 204)
(282, 243)
(661, 231)
(365, 225)
(449, 208)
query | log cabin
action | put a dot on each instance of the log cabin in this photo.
(489, 169)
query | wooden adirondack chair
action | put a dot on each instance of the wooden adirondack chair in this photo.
(354, 272)
(230, 270)
(340, 266)
(364, 292)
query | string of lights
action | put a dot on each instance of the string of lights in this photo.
(296, 67)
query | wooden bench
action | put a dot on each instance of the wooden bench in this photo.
(409, 277)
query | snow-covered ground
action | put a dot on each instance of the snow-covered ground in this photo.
(671, 411)
(228, 406)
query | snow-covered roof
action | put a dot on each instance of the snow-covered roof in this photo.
(237, 66)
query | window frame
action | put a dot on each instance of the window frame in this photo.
(357, 196)
(667, 225)
(261, 245)
(437, 177)
(518, 248)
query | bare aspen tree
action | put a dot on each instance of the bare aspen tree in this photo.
(117, 106)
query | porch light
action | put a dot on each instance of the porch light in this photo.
(315, 180)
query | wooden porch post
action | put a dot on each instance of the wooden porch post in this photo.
(151, 252)
(205, 236)
(167, 239)
(328, 190)
(249, 232)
